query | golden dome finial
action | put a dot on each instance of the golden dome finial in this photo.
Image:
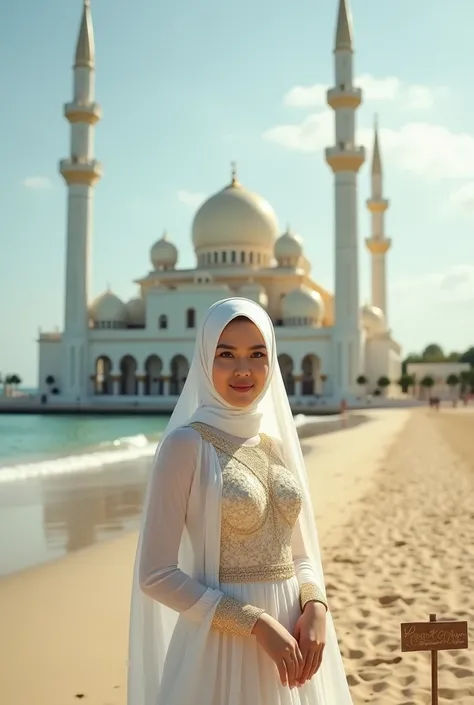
(234, 180)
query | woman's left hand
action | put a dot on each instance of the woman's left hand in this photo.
(310, 633)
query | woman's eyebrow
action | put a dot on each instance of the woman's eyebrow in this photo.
(224, 346)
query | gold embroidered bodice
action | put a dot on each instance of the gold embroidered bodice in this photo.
(261, 501)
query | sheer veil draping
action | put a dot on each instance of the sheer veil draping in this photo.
(152, 624)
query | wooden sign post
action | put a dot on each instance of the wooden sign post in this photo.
(434, 636)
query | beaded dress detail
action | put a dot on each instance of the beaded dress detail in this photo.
(261, 502)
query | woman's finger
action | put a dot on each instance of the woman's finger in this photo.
(291, 668)
(301, 662)
(306, 670)
(282, 672)
(317, 660)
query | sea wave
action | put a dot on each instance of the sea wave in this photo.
(108, 453)
(105, 454)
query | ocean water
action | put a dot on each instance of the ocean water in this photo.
(37, 446)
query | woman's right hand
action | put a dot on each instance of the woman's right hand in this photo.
(282, 648)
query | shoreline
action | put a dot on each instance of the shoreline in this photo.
(53, 514)
(144, 407)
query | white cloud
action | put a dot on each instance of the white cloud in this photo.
(312, 134)
(463, 197)
(306, 96)
(391, 88)
(191, 198)
(37, 182)
(455, 285)
(431, 150)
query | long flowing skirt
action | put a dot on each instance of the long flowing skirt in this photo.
(235, 670)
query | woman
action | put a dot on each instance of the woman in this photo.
(228, 604)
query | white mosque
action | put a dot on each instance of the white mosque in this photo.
(139, 351)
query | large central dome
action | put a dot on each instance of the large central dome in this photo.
(234, 218)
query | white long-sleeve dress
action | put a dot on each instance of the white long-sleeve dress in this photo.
(262, 566)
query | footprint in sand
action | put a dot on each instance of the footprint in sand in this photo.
(370, 676)
(355, 654)
(379, 661)
(388, 599)
(352, 680)
(462, 672)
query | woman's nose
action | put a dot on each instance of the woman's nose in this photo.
(242, 368)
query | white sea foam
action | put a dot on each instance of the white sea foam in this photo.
(117, 451)
(107, 453)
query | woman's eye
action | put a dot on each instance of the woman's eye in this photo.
(258, 353)
(226, 353)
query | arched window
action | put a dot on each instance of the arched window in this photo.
(209, 258)
(233, 257)
(190, 318)
(242, 257)
(259, 257)
(163, 322)
(224, 257)
(251, 258)
(216, 257)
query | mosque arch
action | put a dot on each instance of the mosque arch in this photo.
(179, 371)
(154, 384)
(286, 368)
(311, 375)
(103, 383)
(191, 318)
(163, 322)
(128, 376)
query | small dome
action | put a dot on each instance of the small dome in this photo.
(373, 319)
(235, 217)
(288, 249)
(303, 306)
(164, 254)
(108, 308)
(135, 311)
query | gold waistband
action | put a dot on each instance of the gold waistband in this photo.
(257, 573)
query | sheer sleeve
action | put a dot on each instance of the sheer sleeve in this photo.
(165, 516)
(310, 591)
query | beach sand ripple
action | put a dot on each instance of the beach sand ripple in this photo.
(406, 552)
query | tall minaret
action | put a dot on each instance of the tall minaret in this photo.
(345, 160)
(81, 171)
(378, 245)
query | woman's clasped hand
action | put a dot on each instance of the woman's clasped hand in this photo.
(299, 656)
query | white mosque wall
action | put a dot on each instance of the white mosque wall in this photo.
(382, 359)
(50, 362)
(167, 309)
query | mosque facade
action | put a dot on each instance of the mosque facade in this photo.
(140, 350)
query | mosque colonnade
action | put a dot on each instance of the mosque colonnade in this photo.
(155, 377)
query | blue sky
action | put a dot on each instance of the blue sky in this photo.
(186, 88)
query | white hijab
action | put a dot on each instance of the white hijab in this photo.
(151, 624)
(213, 409)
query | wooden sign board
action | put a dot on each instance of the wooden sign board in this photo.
(434, 636)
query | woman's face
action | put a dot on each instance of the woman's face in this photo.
(240, 367)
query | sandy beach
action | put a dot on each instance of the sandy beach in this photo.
(393, 497)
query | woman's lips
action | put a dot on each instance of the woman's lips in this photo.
(241, 388)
